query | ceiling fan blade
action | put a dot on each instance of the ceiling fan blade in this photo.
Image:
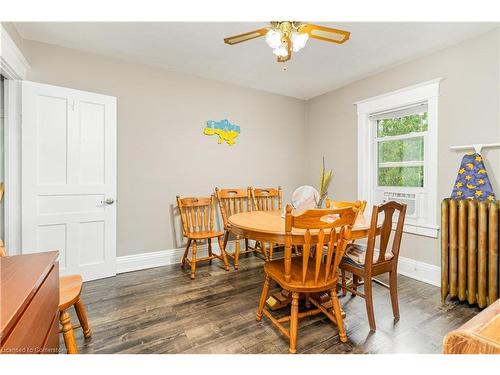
(326, 33)
(246, 36)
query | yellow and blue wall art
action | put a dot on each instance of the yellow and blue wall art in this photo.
(224, 129)
(472, 180)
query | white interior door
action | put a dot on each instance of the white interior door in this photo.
(69, 177)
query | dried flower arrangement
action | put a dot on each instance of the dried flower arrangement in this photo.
(324, 184)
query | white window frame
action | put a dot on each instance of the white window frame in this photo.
(426, 223)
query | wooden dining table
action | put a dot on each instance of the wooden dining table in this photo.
(269, 227)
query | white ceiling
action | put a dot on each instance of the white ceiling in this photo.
(198, 48)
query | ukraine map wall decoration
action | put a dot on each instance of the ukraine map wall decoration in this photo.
(472, 180)
(223, 129)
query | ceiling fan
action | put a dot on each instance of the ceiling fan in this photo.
(285, 37)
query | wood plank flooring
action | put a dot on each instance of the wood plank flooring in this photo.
(161, 310)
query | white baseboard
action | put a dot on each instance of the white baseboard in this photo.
(415, 269)
(154, 259)
(144, 261)
(428, 273)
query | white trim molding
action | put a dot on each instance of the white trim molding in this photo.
(12, 166)
(425, 223)
(142, 261)
(14, 67)
(425, 272)
(13, 64)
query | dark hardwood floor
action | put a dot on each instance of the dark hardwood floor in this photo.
(161, 310)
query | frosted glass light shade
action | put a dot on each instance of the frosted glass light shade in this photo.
(273, 38)
(281, 51)
(299, 40)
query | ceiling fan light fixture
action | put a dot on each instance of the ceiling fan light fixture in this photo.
(273, 38)
(298, 40)
(287, 37)
(281, 51)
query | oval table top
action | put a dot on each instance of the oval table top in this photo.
(269, 226)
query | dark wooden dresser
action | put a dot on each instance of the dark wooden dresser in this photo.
(29, 300)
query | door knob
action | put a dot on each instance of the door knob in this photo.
(108, 201)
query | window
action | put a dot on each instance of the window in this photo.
(397, 153)
(400, 147)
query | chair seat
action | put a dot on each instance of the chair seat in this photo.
(204, 235)
(357, 254)
(276, 271)
(70, 288)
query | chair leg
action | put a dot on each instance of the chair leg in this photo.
(183, 261)
(393, 283)
(263, 297)
(271, 249)
(344, 290)
(369, 303)
(355, 280)
(236, 252)
(67, 331)
(223, 253)
(294, 322)
(226, 238)
(193, 260)
(210, 250)
(82, 317)
(338, 315)
(246, 247)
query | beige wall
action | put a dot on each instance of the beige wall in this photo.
(468, 113)
(162, 152)
(161, 147)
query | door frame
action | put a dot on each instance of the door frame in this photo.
(14, 67)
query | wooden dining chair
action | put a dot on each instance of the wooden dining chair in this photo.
(267, 199)
(330, 203)
(233, 201)
(197, 216)
(367, 262)
(70, 288)
(360, 205)
(3, 253)
(310, 272)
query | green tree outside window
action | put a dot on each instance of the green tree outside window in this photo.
(404, 150)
